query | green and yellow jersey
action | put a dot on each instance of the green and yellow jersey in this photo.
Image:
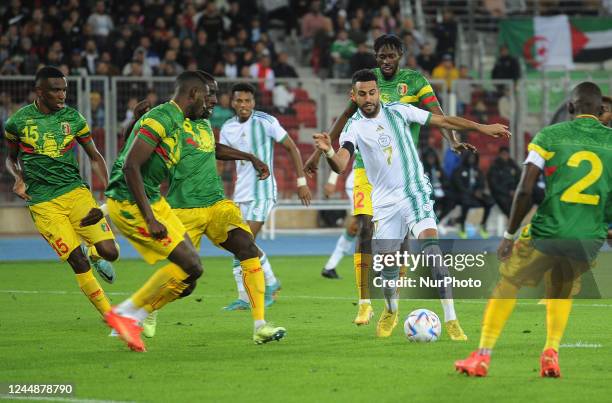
(194, 181)
(578, 176)
(46, 145)
(408, 87)
(161, 128)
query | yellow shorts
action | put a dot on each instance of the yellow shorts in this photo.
(215, 221)
(362, 193)
(58, 221)
(527, 266)
(128, 219)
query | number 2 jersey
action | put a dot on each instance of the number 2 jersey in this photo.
(47, 149)
(578, 174)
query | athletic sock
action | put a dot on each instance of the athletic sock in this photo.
(163, 287)
(343, 247)
(362, 263)
(434, 258)
(449, 309)
(255, 286)
(237, 270)
(269, 276)
(557, 315)
(128, 309)
(496, 314)
(390, 293)
(92, 290)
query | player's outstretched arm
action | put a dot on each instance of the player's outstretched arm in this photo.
(14, 168)
(140, 153)
(296, 157)
(227, 153)
(450, 135)
(338, 161)
(312, 163)
(456, 123)
(520, 207)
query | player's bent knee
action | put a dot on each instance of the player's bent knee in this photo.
(78, 261)
(107, 250)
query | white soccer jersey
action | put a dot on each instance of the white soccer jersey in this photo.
(389, 155)
(255, 136)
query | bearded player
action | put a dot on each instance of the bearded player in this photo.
(396, 85)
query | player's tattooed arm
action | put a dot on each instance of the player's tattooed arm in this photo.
(521, 205)
(312, 163)
(302, 190)
(456, 123)
(451, 136)
(227, 153)
(14, 168)
(139, 154)
(338, 161)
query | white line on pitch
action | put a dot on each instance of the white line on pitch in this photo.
(284, 296)
(60, 399)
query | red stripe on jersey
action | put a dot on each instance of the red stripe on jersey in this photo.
(71, 145)
(192, 142)
(26, 149)
(549, 170)
(148, 134)
(84, 140)
(429, 100)
(162, 153)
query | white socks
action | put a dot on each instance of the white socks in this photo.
(344, 246)
(128, 309)
(449, 309)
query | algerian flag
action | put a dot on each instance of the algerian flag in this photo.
(558, 41)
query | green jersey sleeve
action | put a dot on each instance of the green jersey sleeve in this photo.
(426, 96)
(83, 134)
(11, 133)
(154, 127)
(541, 144)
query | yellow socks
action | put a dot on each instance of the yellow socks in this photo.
(255, 286)
(362, 263)
(91, 288)
(496, 314)
(557, 314)
(163, 287)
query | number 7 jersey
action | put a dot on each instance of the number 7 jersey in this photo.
(578, 175)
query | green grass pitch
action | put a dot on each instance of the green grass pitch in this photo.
(201, 353)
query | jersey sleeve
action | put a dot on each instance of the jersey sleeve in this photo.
(276, 131)
(11, 132)
(348, 137)
(541, 145)
(154, 128)
(223, 135)
(412, 114)
(83, 133)
(426, 95)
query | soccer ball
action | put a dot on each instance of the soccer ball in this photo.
(422, 325)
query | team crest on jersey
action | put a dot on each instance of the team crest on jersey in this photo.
(66, 128)
(402, 89)
(384, 140)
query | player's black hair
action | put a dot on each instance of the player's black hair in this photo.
(586, 97)
(389, 40)
(243, 87)
(187, 80)
(206, 76)
(363, 75)
(48, 72)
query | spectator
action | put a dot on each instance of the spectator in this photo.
(243, 44)
(341, 22)
(231, 65)
(7, 107)
(30, 58)
(101, 22)
(321, 52)
(205, 54)
(129, 114)
(211, 22)
(463, 90)
(312, 22)
(356, 32)
(219, 69)
(97, 110)
(5, 48)
(255, 32)
(427, 60)
(411, 46)
(169, 67)
(139, 56)
(90, 56)
(283, 69)
(282, 98)
(235, 17)
(388, 23)
(504, 104)
(506, 66)
(263, 73)
(152, 98)
(77, 66)
(341, 52)
(185, 51)
(468, 184)
(410, 62)
(503, 177)
(363, 59)
(221, 112)
(446, 71)
(408, 28)
(442, 193)
(446, 34)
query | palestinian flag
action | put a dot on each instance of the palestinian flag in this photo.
(558, 41)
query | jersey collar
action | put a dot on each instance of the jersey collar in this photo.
(585, 115)
(177, 107)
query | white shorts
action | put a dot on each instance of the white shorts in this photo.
(348, 188)
(398, 220)
(256, 210)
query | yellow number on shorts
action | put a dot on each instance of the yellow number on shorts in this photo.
(389, 151)
(573, 193)
(31, 134)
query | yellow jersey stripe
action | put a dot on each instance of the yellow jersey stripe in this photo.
(543, 153)
(157, 127)
(408, 99)
(83, 131)
(10, 136)
(424, 91)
